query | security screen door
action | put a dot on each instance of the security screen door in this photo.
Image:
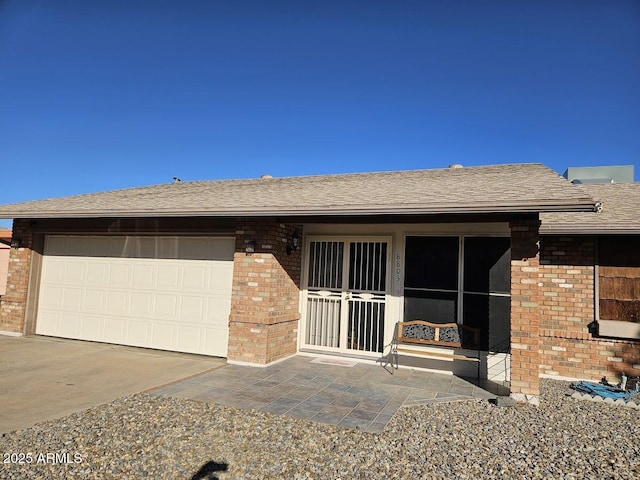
(346, 295)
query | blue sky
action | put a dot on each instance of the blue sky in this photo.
(99, 95)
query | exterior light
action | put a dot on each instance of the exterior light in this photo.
(294, 243)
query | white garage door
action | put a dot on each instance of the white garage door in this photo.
(169, 293)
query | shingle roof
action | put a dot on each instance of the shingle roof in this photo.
(620, 212)
(488, 189)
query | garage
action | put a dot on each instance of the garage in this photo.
(162, 292)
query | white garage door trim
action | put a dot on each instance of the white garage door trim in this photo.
(162, 292)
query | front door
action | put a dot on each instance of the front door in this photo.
(345, 297)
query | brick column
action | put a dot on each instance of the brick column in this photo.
(14, 302)
(263, 323)
(525, 311)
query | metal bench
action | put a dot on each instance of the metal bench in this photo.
(421, 332)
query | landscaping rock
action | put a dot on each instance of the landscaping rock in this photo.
(148, 436)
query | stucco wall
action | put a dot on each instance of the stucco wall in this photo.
(4, 267)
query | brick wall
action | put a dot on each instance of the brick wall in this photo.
(525, 310)
(14, 302)
(266, 287)
(568, 348)
(589, 359)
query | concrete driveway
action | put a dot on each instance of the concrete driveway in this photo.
(44, 378)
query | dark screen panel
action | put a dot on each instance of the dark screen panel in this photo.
(487, 264)
(435, 307)
(431, 262)
(491, 314)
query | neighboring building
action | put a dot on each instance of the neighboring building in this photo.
(257, 270)
(5, 245)
(608, 174)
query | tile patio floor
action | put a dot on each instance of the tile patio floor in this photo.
(359, 395)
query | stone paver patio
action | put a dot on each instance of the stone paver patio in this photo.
(336, 392)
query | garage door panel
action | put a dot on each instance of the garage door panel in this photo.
(138, 291)
(114, 329)
(75, 273)
(57, 245)
(51, 298)
(49, 323)
(194, 278)
(92, 327)
(119, 247)
(165, 306)
(100, 246)
(72, 299)
(194, 249)
(163, 336)
(71, 326)
(145, 247)
(140, 304)
(192, 308)
(117, 302)
(143, 277)
(77, 246)
(118, 275)
(53, 271)
(188, 338)
(97, 273)
(94, 300)
(168, 277)
(138, 332)
(215, 338)
(217, 310)
(167, 248)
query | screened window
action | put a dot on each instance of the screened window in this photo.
(431, 279)
(486, 265)
(432, 263)
(465, 280)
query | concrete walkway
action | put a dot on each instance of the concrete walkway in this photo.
(337, 392)
(44, 378)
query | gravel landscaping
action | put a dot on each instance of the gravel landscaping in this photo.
(159, 437)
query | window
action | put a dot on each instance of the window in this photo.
(486, 290)
(473, 288)
(619, 278)
(431, 279)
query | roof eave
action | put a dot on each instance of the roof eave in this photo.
(590, 229)
(583, 206)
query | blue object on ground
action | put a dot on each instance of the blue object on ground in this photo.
(605, 391)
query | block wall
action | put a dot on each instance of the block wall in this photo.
(263, 322)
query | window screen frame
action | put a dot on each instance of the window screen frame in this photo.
(460, 291)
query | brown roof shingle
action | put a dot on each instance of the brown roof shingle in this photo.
(620, 212)
(497, 188)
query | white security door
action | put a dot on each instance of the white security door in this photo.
(168, 293)
(347, 285)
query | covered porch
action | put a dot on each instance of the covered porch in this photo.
(340, 392)
(359, 281)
